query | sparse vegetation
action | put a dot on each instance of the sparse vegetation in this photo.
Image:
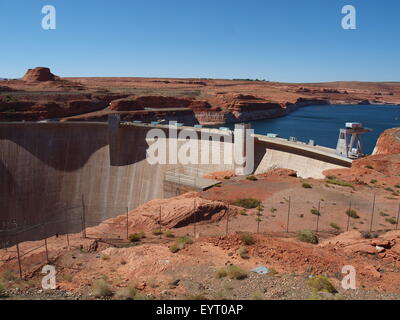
(352, 214)
(247, 203)
(247, 238)
(369, 166)
(179, 244)
(243, 252)
(306, 185)
(174, 248)
(273, 210)
(227, 177)
(373, 181)
(235, 272)
(243, 212)
(315, 212)
(8, 275)
(136, 237)
(127, 293)
(221, 273)
(307, 236)
(321, 284)
(2, 288)
(334, 226)
(397, 186)
(339, 183)
(169, 234)
(383, 214)
(251, 178)
(67, 277)
(369, 235)
(102, 289)
(391, 220)
(105, 257)
(157, 232)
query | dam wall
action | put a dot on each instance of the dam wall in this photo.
(76, 174)
(52, 172)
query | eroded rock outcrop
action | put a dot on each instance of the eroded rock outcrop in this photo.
(175, 212)
(388, 142)
(39, 74)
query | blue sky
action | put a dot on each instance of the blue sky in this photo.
(285, 40)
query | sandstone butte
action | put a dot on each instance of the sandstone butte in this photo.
(39, 74)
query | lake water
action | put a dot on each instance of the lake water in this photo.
(322, 123)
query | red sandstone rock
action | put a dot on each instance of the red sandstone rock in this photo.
(388, 142)
(39, 74)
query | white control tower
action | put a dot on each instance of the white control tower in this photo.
(350, 143)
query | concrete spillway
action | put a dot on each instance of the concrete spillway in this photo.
(54, 171)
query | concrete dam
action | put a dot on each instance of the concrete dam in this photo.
(57, 173)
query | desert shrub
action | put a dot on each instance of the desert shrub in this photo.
(369, 235)
(352, 214)
(391, 220)
(128, 293)
(273, 210)
(251, 178)
(235, 272)
(247, 203)
(243, 212)
(247, 238)
(321, 283)
(369, 166)
(180, 244)
(135, 237)
(257, 296)
(102, 289)
(157, 232)
(67, 277)
(221, 273)
(8, 275)
(306, 185)
(227, 177)
(334, 226)
(373, 181)
(105, 257)
(243, 252)
(141, 296)
(307, 236)
(169, 234)
(397, 186)
(2, 289)
(389, 189)
(383, 214)
(198, 296)
(315, 212)
(339, 183)
(174, 248)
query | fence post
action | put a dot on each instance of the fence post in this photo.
(372, 214)
(348, 216)
(319, 213)
(83, 218)
(398, 216)
(227, 220)
(160, 223)
(19, 262)
(194, 217)
(127, 223)
(47, 250)
(67, 239)
(288, 216)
